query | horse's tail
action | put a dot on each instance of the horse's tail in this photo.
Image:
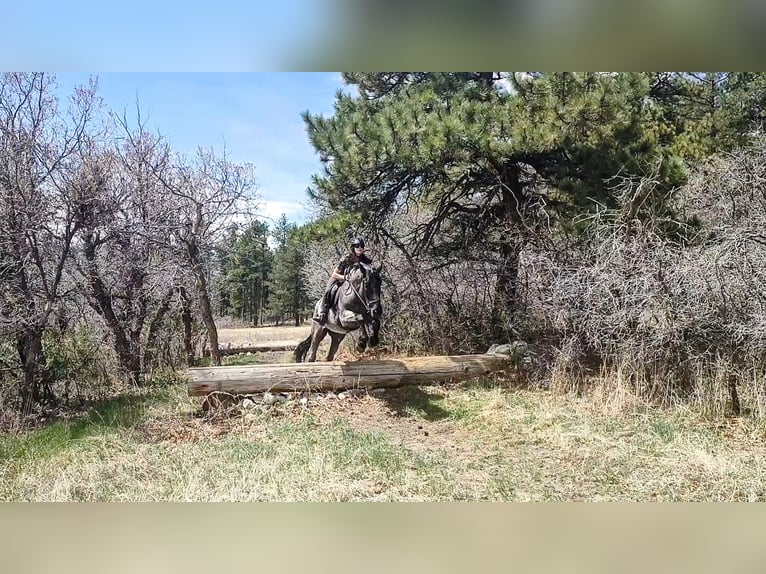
(303, 346)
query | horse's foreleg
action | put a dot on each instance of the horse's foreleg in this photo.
(335, 340)
(374, 338)
(361, 344)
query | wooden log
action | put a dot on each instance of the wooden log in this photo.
(330, 376)
(256, 348)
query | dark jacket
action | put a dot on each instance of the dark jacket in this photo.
(350, 260)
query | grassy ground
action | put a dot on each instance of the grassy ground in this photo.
(476, 441)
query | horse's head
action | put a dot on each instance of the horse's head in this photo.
(364, 295)
(367, 285)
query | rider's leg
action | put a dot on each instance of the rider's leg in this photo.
(325, 302)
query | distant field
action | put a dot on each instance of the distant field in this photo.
(244, 336)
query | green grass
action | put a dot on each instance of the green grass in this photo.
(245, 359)
(107, 417)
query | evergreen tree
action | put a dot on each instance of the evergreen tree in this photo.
(224, 264)
(289, 294)
(248, 268)
(281, 230)
(713, 111)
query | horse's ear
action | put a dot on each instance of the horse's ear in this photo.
(378, 268)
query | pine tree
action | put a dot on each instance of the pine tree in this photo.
(248, 268)
(289, 295)
(714, 111)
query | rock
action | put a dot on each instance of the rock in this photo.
(304, 401)
(500, 350)
(248, 404)
(269, 399)
(517, 350)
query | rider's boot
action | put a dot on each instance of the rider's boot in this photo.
(322, 317)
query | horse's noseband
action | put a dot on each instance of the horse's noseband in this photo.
(362, 293)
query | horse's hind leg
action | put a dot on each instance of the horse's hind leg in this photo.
(317, 334)
(334, 344)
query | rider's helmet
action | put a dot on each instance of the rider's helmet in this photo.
(356, 242)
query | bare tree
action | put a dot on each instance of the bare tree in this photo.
(38, 158)
(127, 273)
(207, 195)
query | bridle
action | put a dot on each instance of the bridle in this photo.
(366, 302)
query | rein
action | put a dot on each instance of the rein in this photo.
(361, 298)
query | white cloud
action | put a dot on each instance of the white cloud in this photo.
(271, 210)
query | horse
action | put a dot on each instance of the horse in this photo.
(355, 304)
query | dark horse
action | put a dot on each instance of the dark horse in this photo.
(355, 305)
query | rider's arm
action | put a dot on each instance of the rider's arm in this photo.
(336, 274)
(340, 269)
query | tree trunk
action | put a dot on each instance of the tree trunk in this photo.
(128, 350)
(200, 282)
(154, 327)
(186, 319)
(35, 387)
(506, 286)
(511, 212)
(341, 374)
(207, 314)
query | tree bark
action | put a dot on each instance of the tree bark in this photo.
(186, 319)
(510, 213)
(154, 327)
(506, 287)
(341, 374)
(127, 348)
(29, 344)
(206, 309)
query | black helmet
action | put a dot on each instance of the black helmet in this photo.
(357, 242)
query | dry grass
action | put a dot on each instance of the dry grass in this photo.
(242, 337)
(476, 441)
(468, 442)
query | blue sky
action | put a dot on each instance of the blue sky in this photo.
(256, 116)
(162, 35)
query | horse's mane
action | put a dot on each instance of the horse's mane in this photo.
(367, 267)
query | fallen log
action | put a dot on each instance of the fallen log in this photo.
(256, 348)
(339, 375)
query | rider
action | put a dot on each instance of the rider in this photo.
(356, 255)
